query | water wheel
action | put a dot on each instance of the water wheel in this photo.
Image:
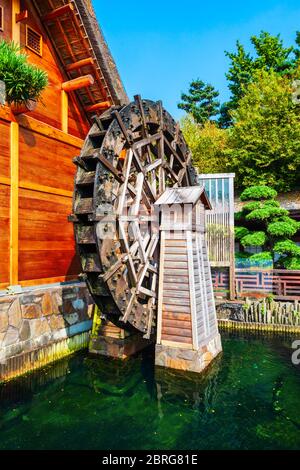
(130, 156)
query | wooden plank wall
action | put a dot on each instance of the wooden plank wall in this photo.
(205, 304)
(176, 308)
(46, 251)
(186, 308)
(36, 186)
(7, 10)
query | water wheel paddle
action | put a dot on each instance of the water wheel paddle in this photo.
(129, 157)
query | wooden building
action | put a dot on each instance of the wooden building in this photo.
(187, 329)
(36, 148)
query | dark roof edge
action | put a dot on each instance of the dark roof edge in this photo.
(102, 52)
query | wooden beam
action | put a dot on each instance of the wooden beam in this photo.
(14, 204)
(22, 16)
(77, 83)
(58, 12)
(4, 180)
(64, 111)
(44, 189)
(34, 125)
(80, 64)
(98, 106)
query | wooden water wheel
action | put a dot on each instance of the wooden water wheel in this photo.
(130, 156)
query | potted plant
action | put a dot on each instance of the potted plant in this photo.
(24, 82)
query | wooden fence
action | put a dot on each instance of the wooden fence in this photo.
(280, 284)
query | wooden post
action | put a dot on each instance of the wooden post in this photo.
(64, 111)
(14, 203)
(15, 25)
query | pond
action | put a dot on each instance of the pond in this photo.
(248, 399)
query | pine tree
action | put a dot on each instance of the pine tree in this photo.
(200, 101)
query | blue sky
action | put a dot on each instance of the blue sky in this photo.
(161, 45)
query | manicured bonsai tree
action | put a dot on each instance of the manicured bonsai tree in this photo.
(263, 223)
(23, 81)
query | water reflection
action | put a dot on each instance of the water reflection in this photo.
(247, 398)
(187, 389)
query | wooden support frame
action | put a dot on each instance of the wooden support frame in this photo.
(14, 204)
(58, 12)
(64, 111)
(98, 107)
(80, 64)
(77, 83)
(16, 31)
(22, 16)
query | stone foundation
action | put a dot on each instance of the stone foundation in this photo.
(41, 325)
(115, 342)
(188, 359)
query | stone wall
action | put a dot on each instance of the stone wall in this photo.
(39, 319)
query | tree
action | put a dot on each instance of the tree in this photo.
(264, 143)
(271, 55)
(263, 223)
(200, 101)
(207, 143)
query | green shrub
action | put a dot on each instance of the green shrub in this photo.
(262, 257)
(239, 216)
(240, 232)
(281, 229)
(23, 81)
(292, 262)
(259, 214)
(254, 239)
(266, 212)
(287, 247)
(258, 193)
(289, 221)
(251, 206)
(271, 203)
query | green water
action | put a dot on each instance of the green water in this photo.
(248, 399)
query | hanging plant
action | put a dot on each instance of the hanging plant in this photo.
(24, 82)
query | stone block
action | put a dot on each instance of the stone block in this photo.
(11, 337)
(30, 311)
(4, 319)
(56, 322)
(67, 307)
(39, 327)
(14, 314)
(188, 359)
(2, 336)
(72, 318)
(57, 302)
(47, 306)
(24, 332)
